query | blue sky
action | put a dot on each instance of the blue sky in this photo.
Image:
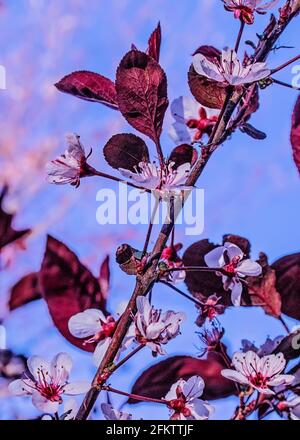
(251, 187)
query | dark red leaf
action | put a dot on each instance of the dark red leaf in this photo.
(262, 289)
(125, 151)
(253, 132)
(25, 291)
(154, 43)
(210, 52)
(89, 86)
(7, 234)
(68, 288)
(295, 134)
(288, 284)
(157, 380)
(183, 154)
(142, 93)
(290, 346)
(104, 278)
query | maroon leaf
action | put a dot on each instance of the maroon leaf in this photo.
(68, 288)
(295, 134)
(89, 86)
(262, 290)
(290, 346)
(207, 92)
(25, 291)
(7, 234)
(104, 278)
(154, 43)
(183, 154)
(125, 151)
(253, 132)
(142, 93)
(157, 380)
(288, 284)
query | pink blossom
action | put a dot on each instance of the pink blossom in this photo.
(244, 9)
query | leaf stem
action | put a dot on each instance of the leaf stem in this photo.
(283, 66)
(284, 84)
(185, 295)
(238, 40)
(134, 396)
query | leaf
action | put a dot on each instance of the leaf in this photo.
(157, 380)
(142, 93)
(295, 134)
(125, 151)
(104, 277)
(8, 235)
(248, 105)
(68, 287)
(89, 86)
(262, 289)
(253, 132)
(25, 291)
(154, 43)
(207, 92)
(290, 346)
(183, 154)
(288, 283)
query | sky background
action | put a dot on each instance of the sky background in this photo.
(251, 187)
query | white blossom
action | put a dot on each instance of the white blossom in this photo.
(230, 69)
(183, 400)
(48, 382)
(260, 373)
(192, 120)
(229, 258)
(245, 9)
(98, 328)
(154, 328)
(69, 167)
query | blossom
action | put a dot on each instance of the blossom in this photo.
(99, 329)
(292, 406)
(171, 260)
(229, 258)
(152, 327)
(260, 373)
(244, 9)
(210, 337)
(192, 120)
(113, 414)
(183, 400)
(70, 166)
(163, 180)
(46, 382)
(210, 309)
(230, 70)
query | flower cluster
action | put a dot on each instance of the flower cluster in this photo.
(244, 9)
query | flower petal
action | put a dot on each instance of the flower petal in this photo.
(193, 387)
(215, 257)
(86, 323)
(235, 376)
(21, 387)
(61, 366)
(236, 293)
(38, 366)
(44, 405)
(249, 268)
(100, 350)
(78, 387)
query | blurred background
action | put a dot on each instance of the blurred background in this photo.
(251, 187)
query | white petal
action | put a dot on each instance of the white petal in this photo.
(61, 367)
(21, 387)
(78, 387)
(154, 330)
(233, 250)
(181, 133)
(236, 293)
(200, 409)
(282, 379)
(206, 68)
(185, 108)
(249, 268)
(38, 367)
(215, 257)
(44, 405)
(171, 395)
(70, 407)
(111, 413)
(86, 323)
(100, 350)
(193, 387)
(235, 375)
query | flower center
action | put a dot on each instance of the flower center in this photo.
(51, 391)
(258, 380)
(230, 268)
(178, 405)
(202, 125)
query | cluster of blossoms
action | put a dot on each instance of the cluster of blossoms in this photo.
(234, 267)
(151, 327)
(171, 260)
